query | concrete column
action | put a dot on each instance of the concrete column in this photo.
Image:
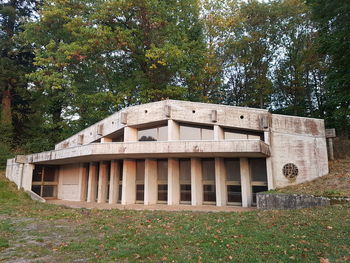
(92, 182)
(129, 182)
(173, 181)
(196, 181)
(20, 175)
(246, 183)
(220, 182)
(105, 139)
(151, 188)
(267, 137)
(130, 134)
(114, 182)
(102, 183)
(28, 176)
(218, 133)
(330, 149)
(173, 130)
(83, 182)
(269, 171)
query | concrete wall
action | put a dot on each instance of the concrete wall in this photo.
(300, 141)
(68, 182)
(184, 111)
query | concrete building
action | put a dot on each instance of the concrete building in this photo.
(178, 152)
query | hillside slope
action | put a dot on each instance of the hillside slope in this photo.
(336, 183)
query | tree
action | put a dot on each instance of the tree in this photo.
(95, 57)
(15, 62)
(333, 20)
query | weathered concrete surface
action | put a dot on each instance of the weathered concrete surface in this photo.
(35, 197)
(119, 150)
(288, 201)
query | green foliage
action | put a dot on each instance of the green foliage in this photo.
(5, 153)
(333, 22)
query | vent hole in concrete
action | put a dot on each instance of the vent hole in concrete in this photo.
(242, 117)
(146, 111)
(290, 170)
(193, 111)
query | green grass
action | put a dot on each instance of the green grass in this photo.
(49, 233)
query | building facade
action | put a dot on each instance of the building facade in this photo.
(177, 152)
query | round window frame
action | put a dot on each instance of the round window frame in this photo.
(290, 170)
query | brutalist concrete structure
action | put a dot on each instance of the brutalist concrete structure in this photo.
(178, 152)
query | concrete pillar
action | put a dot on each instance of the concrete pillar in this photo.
(173, 181)
(114, 182)
(173, 130)
(218, 133)
(102, 183)
(220, 182)
(246, 183)
(20, 175)
(269, 171)
(196, 181)
(129, 182)
(28, 176)
(83, 182)
(130, 134)
(92, 182)
(105, 139)
(330, 149)
(151, 188)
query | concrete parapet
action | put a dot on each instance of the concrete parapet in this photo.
(269, 201)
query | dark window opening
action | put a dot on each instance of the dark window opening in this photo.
(234, 194)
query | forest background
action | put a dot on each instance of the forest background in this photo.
(66, 64)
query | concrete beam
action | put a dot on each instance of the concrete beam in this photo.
(129, 182)
(246, 183)
(196, 182)
(173, 181)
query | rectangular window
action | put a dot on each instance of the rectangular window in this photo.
(234, 194)
(233, 181)
(140, 179)
(120, 182)
(209, 194)
(162, 192)
(235, 134)
(162, 180)
(208, 177)
(258, 169)
(45, 181)
(153, 134)
(185, 180)
(259, 176)
(192, 132)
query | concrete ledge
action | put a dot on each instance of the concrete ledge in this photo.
(35, 197)
(153, 149)
(267, 201)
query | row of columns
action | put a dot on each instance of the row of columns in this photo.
(98, 181)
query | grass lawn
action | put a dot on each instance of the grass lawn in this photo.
(36, 232)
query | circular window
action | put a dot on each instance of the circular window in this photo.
(290, 170)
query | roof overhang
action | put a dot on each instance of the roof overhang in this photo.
(152, 149)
